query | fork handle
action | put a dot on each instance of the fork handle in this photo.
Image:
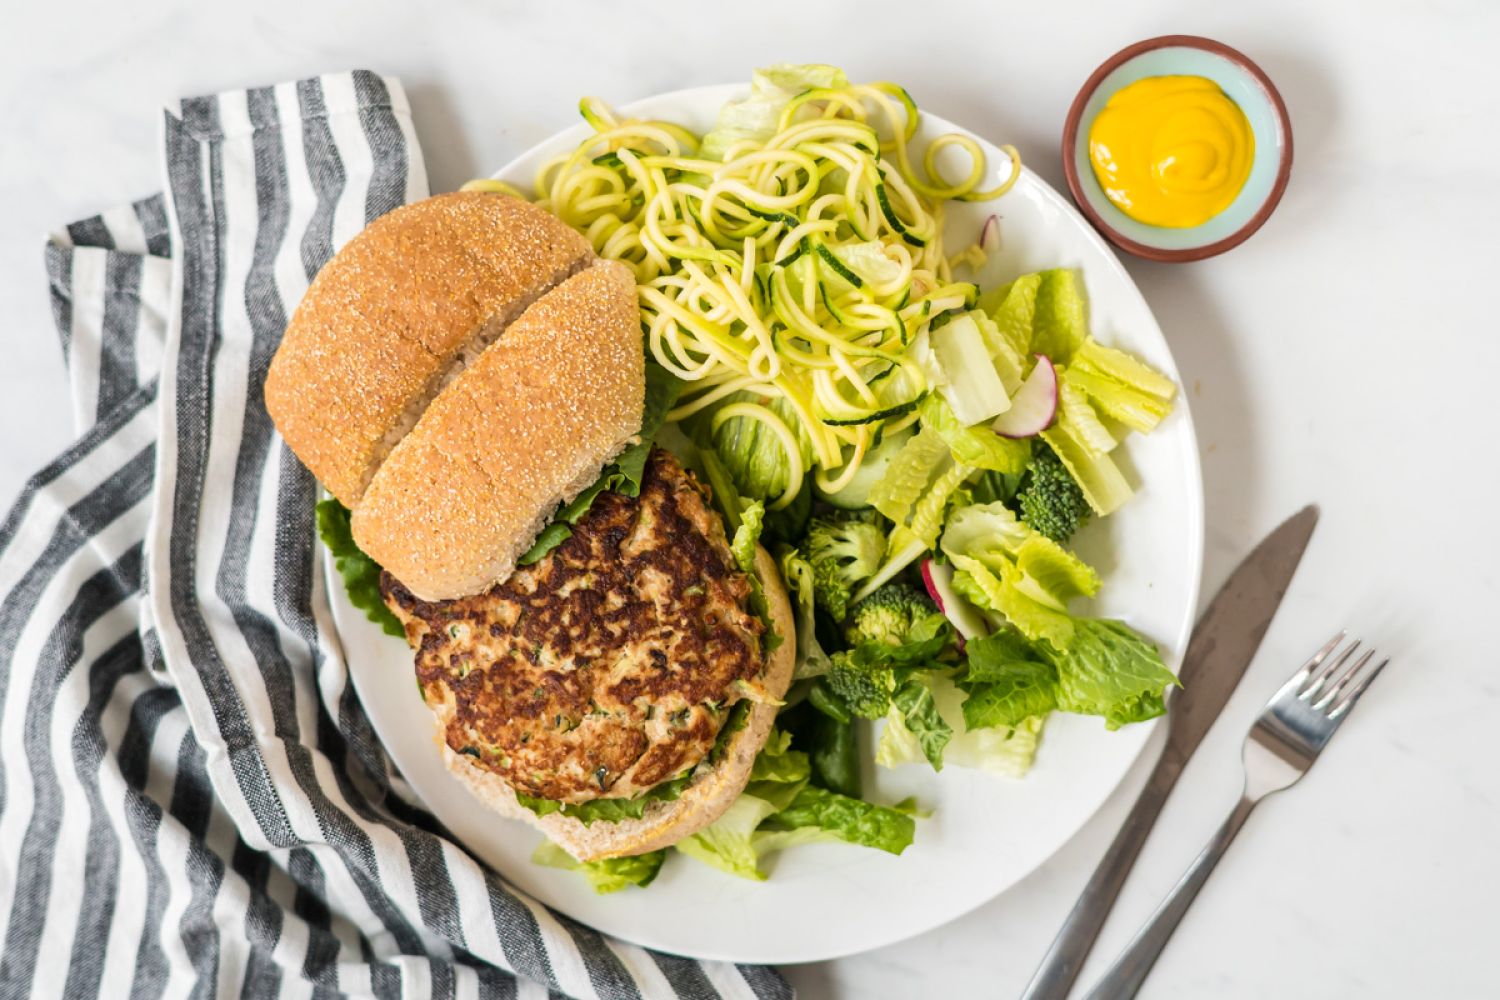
(1129, 971)
(1054, 978)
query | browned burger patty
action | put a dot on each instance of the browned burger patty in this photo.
(607, 667)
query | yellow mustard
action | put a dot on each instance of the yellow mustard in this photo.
(1171, 151)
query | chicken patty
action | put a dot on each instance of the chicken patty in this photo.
(607, 667)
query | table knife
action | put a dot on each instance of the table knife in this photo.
(1222, 645)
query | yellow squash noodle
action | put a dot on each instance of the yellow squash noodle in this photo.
(799, 268)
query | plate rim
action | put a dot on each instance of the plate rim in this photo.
(1194, 500)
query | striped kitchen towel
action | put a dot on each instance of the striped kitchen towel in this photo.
(191, 798)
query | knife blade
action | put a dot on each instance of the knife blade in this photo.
(1221, 647)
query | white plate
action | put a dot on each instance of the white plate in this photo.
(986, 832)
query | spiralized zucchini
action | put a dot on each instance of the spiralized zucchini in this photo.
(802, 267)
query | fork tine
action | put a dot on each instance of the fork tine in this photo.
(1347, 702)
(1316, 684)
(1301, 676)
(1344, 679)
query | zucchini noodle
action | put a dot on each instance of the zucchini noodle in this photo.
(801, 268)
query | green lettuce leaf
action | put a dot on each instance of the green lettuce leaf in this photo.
(755, 117)
(751, 453)
(1058, 326)
(1109, 670)
(1006, 684)
(1116, 364)
(1097, 475)
(360, 573)
(1137, 410)
(747, 536)
(920, 716)
(977, 447)
(607, 810)
(1006, 752)
(978, 584)
(779, 763)
(1081, 417)
(812, 661)
(1049, 573)
(848, 819)
(609, 875)
(728, 843)
(923, 459)
(1013, 308)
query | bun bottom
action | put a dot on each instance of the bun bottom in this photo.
(701, 802)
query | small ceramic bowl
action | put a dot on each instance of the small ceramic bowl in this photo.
(1246, 84)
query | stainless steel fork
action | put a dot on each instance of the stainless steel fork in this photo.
(1292, 730)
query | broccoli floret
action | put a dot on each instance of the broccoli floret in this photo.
(1051, 502)
(888, 614)
(844, 551)
(865, 687)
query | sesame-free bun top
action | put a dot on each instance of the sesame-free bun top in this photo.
(396, 314)
(520, 431)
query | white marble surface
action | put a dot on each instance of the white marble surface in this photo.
(1346, 354)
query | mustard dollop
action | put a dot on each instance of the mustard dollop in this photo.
(1171, 151)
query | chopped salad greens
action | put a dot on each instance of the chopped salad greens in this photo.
(880, 422)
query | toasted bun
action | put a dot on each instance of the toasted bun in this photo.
(519, 432)
(393, 316)
(702, 802)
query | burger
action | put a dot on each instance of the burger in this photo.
(469, 380)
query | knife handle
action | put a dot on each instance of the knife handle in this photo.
(1124, 978)
(1063, 961)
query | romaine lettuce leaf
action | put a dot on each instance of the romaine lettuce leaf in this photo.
(1058, 326)
(755, 117)
(607, 810)
(921, 460)
(747, 536)
(1013, 308)
(1005, 751)
(1051, 574)
(977, 583)
(1109, 670)
(750, 451)
(976, 447)
(920, 716)
(1005, 682)
(1100, 479)
(851, 820)
(812, 661)
(360, 573)
(778, 762)
(1011, 366)
(1116, 364)
(1080, 416)
(728, 842)
(868, 260)
(1137, 410)
(973, 387)
(609, 875)
(977, 529)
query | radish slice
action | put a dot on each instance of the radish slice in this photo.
(990, 231)
(938, 578)
(1034, 404)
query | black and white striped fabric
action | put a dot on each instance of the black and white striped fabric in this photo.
(192, 801)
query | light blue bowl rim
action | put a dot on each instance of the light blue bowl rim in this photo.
(1247, 84)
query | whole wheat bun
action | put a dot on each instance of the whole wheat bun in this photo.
(701, 802)
(520, 431)
(396, 313)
